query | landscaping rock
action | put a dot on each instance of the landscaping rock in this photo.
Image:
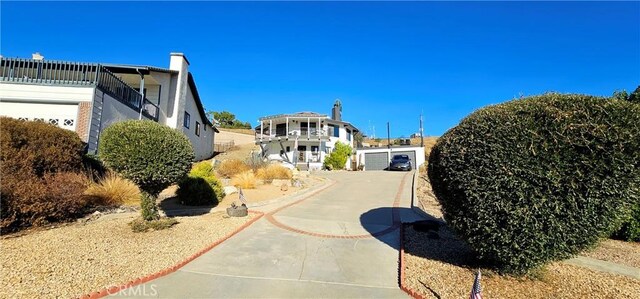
(237, 211)
(230, 190)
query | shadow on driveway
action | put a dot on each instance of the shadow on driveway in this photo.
(430, 238)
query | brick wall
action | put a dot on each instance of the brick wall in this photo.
(84, 119)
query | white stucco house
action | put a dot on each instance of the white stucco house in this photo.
(304, 139)
(88, 97)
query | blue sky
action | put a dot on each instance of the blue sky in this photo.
(385, 61)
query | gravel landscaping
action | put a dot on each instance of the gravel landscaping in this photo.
(80, 258)
(445, 267)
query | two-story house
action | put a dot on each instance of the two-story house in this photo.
(304, 139)
(88, 97)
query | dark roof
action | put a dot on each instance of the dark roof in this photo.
(133, 69)
(203, 115)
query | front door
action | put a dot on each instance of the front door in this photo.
(302, 153)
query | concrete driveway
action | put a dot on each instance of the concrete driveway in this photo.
(341, 242)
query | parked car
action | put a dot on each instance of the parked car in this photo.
(400, 162)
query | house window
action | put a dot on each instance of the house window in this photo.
(53, 121)
(288, 149)
(336, 131)
(348, 135)
(197, 128)
(38, 119)
(68, 122)
(187, 120)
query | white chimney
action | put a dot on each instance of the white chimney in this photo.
(37, 56)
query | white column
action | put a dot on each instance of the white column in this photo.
(270, 126)
(261, 130)
(287, 127)
(308, 127)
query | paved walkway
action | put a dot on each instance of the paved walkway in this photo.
(339, 242)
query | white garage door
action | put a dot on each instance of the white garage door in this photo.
(376, 161)
(62, 115)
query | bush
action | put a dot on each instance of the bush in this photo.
(538, 179)
(40, 167)
(112, 190)
(630, 229)
(255, 162)
(30, 200)
(230, 168)
(274, 172)
(201, 187)
(338, 158)
(245, 180)
(151, 155)
(38, 148)
(140, 225)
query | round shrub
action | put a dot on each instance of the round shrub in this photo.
(151, 155)
(28, 147)
(42, 174)
(538, 179)
(195, 191)
(201, 187)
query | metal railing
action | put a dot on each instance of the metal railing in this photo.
(47, 72)
(55, 72)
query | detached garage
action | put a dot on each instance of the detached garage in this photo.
(378, 158)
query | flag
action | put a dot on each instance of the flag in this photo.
(241, 195)
(476, 289)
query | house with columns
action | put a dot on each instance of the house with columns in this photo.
(88, 97)
(304, 139)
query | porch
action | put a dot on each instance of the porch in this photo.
(63, 73)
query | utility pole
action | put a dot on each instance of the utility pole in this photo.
(421, 132)
(388, 136)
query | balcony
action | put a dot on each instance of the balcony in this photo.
(31, 71)
(282, 134)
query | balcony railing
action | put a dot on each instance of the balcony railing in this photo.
(302, 133)
(52, 72)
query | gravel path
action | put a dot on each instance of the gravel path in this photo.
(77, 259)
(625, 253)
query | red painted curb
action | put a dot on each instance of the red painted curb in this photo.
(140, 280)
(403, 286)
(395, 217)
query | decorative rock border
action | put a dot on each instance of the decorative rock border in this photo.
(115, 289)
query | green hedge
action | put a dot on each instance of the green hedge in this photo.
(201, 187)
(149, 154)
(538, 179)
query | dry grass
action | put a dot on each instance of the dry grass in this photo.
(113, 190)
(230, 168)
(274, 172)
(241, 131)
(245, 180)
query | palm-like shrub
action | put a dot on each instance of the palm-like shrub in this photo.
(538, 179)
(151, 155)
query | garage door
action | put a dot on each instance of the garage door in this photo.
(376, 161)
(411, 154)
(62, 115)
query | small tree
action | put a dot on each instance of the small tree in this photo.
(151, 155)
(338, 158)
(635, 96)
